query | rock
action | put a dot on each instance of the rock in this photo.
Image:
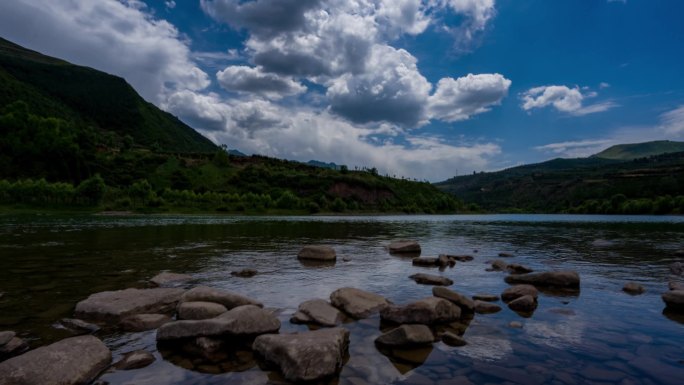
(453, 339)
(633, 288)
(317, 253)
(6, 337)
(429, 279)
(444, 261)
(425, 261)
(557, 279)
(406, 335)
(72, 361)
(679, 253)
(247, 320)
(483, 307)
(112, 306)
(404, 246)
(515, 268)
(486, 297)
(244, 273)
(78, 326)
(515, 325)
(357, 303)
(143, 322)
(524, 304)
(674, 300)
(506, 255)
(518, 291)
(460, 258)
(426, 311)
(321, 312)
(465, 303)
(300, 318)
(225, 298)
(677, 268)
(307, 356)
(170, 279)
(499, 265)
(675, 285)
(200, 310)
(135, 360)
(13, 347)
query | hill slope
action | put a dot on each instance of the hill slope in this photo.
(640, 150)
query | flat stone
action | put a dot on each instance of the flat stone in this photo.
(72, 361)
(209, 294)
(557, 279)
(6, 337)
(461, 258)
(672, 285)
(674, 300)
(167, 279)
(13, 347)
(406, 335)
(307, 356)
(79, 326)
(633, 288)
(483, 307)
(524, 304)
(200, 310)
(247, 320)
(357, 303)
(244, 273)
(425, 261)
(143, 322)
(317, 253)
(453, 339)
(321, 312)
(517, 291)
(404, 246)
(429, 279)
(515, 268)
(300, 318)
(112, 306)
(515, 325)
(486, 297)
(135, 360)
(465, 303)
(426, 311)
(499, 265)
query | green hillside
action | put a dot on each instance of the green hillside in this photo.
(640, 150)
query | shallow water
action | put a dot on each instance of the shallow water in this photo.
(602, 335)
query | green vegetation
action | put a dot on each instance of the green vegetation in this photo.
(72, 137)
(640, 150)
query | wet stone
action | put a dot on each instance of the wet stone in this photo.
(321, 312)
(317, 253)
(78, 326)
(517, 291)
(170, 279)
(6, 337)
(404, 246)
(207, 294)
(113, 306)
(452, 339)
(135, 360)
(143, 322)
(200, 310)
(427, 311)
(486, 297)
(524, 304)
(425, 261)
(406, 335)
(483, 307)
(633, 288)
(357, 303)
(244, 273)
(465, 303)
(674, 300)
(429, 279)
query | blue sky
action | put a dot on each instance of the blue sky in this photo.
(420, 88)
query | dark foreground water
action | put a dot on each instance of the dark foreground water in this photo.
(602, 335)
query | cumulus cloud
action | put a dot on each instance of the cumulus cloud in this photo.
(252, 80)
(459, 99)
(116, 37)
(564, 99)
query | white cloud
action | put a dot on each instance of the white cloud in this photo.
(564, 99)
(459, 99)
(672, 122)
(576, 149)
(252, 80)
(604, 85)
(170, 4)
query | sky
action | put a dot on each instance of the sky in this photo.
(425, 89)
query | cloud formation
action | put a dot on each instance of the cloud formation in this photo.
(252, 80)
(564, 99)
(459, 99)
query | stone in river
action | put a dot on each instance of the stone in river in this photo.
(633, 288)
(317, 253)
(300, 318)
(307, 356)
(426, 311)
(6, 337)
(515, 268)
(406, 335)
(135, 360)
(143, 322)
(483, 307)
(72, 361)
(452, 339)
(244, 273)
(425, 261)
(672, 285)
(674, 300)
(677, 268)
(170, 279)
(465, 303)
(242, 321)
(461, 258)
(506, 255)
(499, 265)
(404, 246)
(11, 345)
(225, 298)
(486, 297)
(429, 279)
(554, 279)
(357, 303)
(321, 312)
(517, 291)
(112, 306)
(200, 310)
(78, 326)
(524, 304)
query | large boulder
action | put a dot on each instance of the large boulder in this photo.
(429, 279)
(407, 335)
(200, 310)
(113, 306)
(404, 246)
(143, 322)
(357, 303)
(209, 294)
(426, 311)
(307, 356)
(321, 312)
(465, 303)
(317, 253)
(72, 361)
(170, 279)
(242, 321)
(553, 279)
(674, 299)
(517, 291)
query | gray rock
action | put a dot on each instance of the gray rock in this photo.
(357, 303)
(453, 339)
(425, 261)
(499, 265)
(169, 279)
(300, 318)
(317, 253)
(6, 337)
(461, 258)
(321, 312)
(13, 347)
(633, 288)
(225, 298)
(200, 310)
(483, 307)
(429, 279)
(672, 285)
(486, 297)
(78, 326)
(244, 273)
(72, 361)
(135, 360)
(515, 325)
(515, 268)
(406, 335)
(444, 261)
(555, 279)
(674, 299)
(247, 320)
(465, 303)
(143, 322)
(426, 311)
(113, 306)
(506, 255)
(404, 246)
(677, 268)
(517, 291)
(307, 356)
(524, 304)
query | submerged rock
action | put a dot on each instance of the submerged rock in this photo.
(406, 335)
(675, 285)
(677, 268)
(404, 246)
(208, 294)
(143, 322)
(135, 360)
(499, 265)
(465, 303)
(554, 279)
(674, 300)
(200, 310)
(633, 288)
(453, 339)
(244, 273)
(460, 258)
(166, 279)
(317, 253)
(307, 356)
(321, 312)
(242, 321)
(429, 279)
(357, 303)
(517, 291)
(112, 306)
(515, 268)
(524, 304)
(425, 261)
(483, 307)
(426, 311)
(78, 326)
(506, 255)
(72, 361)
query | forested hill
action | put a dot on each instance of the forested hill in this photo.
(640, 150)
(645, 185)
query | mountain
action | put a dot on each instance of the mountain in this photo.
(640, 150)
(318, 163)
